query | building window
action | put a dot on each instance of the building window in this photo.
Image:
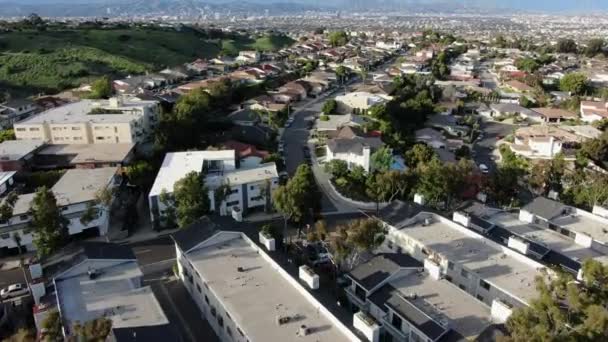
(220, 321)
(5, 236)
(198, 288)
(75, 128)
(206, 299)
(464, 273)
(462, 287)
(450, 265)
(20, 129)
(448, 278)
(23, 217)
(77, 138)
(484, 284)
(389, 243)
(479, 297)
(230, 204)
(64, 208)
(213, 311)
(233, 191)
(100, 138)
(228, 331)
(257, 198)
(34, 129)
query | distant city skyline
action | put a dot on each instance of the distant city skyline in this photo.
(523, 5)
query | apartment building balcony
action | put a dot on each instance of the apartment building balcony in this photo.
(393, 330)
(356, 299)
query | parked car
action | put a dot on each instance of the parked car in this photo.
(317, 254)
(14, 290)
(484, 168)
(289, 122)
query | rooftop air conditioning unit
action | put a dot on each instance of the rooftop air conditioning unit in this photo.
(304, 330)
(93, 273)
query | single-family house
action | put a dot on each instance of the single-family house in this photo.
(592, 111)
(359, 102)
(353, 147)
(549, 114)
(15, 110)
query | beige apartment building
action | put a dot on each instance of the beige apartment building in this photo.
(117, 120)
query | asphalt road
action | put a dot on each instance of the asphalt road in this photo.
(484, 148)
(487, 79)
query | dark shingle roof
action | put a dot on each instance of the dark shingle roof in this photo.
(105, 250)
(380, 267)
(199, 231)
(398, 212)
(545, 208)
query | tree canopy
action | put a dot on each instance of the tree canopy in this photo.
(101, 88)
(565, 309)
(338, 38)
(566, 45)
(295, 198)
(355, 238)
(49, 226)
(330, 106)
(575, 83)
(191, 199)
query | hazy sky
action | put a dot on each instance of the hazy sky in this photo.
(535, 5)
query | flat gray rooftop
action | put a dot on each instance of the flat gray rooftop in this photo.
(477, 254)
(78, 112)
(256, 297)
(75, 186)
(442, 299)
(89, 152)
(17, 149)
(115, 294)
(547, 237)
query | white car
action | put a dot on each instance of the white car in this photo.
(14, 290)
(484, 168)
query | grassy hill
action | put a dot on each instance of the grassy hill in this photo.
(55, 59)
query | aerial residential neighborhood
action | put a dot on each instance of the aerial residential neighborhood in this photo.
(378, 171)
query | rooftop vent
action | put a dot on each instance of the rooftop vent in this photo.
(303, 331)
(240, 269)
(93, 273)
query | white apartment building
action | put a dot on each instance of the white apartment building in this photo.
(245, 295)
(494, 274)
(117, 120)
(75, 191)
(218, 168)
(359, 101)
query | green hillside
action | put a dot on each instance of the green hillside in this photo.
(55, 59)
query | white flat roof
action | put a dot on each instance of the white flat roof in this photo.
(476, 253)
(176, 165)
(584, 222)
(78, 112)
(256, 297)
(75, 186)
(246, 176)
(112, 294)
(466, 314)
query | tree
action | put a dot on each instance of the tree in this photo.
(7, 134)
(463, 152)
(524, 101)
(295, 198)
(6, 209)
(503, 185)
(596, 149)
(594, 47)
(382, 159)
(101, 88)
(546, 175)
(566, 46)
(527, 64)
(386, 186)
(575, 83)
(330, 106)
(565, 309)
(341, 73)
(49, 226)
(191, 199)
(168, 215)
(141, 173)
(221, 194)
(96, 330)
(338, 38)
(356, 238)
(419, 154)
(52, 327)
(22, 335)
(337, 168)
